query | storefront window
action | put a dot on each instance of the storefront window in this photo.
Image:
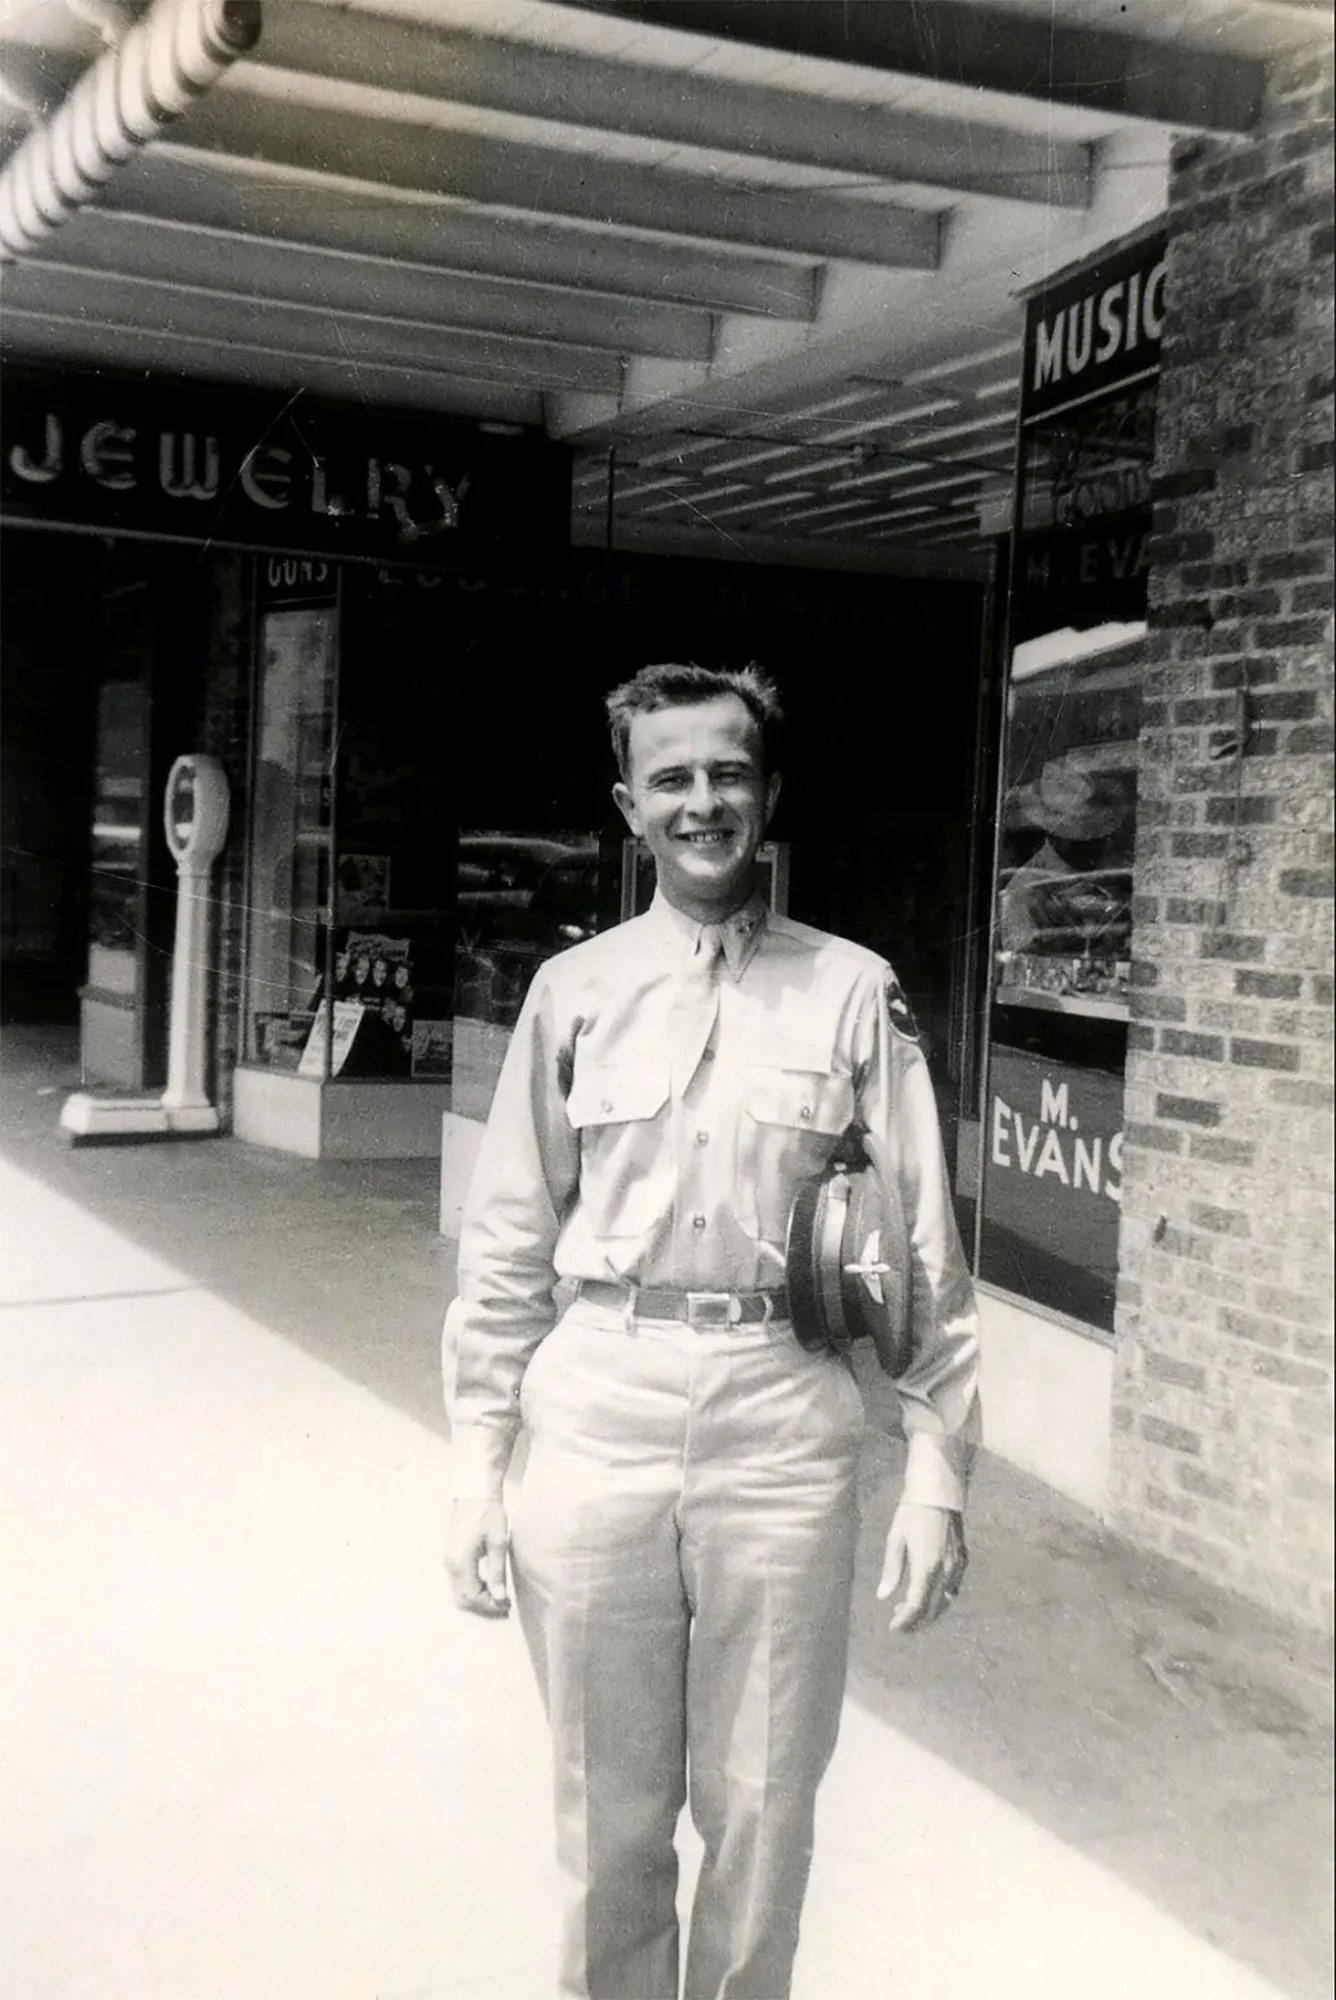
(351, 960)
(120, 834)
(1067, 821)
(458, 815)
(1052, 1116)
(521, 897)
(1053, 1133)
(291, 836)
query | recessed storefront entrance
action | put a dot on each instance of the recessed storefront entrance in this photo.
(104, 644)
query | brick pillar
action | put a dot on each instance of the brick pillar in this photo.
(1222, 1448)
(223, 730)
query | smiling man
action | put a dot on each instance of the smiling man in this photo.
(682, 1539)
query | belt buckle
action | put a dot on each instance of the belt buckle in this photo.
(713, 1309)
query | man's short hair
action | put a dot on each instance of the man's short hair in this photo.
(671, 685)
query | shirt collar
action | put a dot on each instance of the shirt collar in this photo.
(742, 932)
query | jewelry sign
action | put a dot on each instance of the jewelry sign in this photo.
(234, 469)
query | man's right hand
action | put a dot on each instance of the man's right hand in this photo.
(475, 1556)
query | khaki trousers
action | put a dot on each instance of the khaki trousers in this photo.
(683, 1547)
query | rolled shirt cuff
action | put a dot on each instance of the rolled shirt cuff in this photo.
(937, 1471)
(480, 1454)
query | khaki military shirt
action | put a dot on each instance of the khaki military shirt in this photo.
(611, 1154)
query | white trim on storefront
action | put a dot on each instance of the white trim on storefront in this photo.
(352, 1120)
(1046, 1396)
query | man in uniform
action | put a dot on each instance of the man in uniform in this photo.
(682, 1541)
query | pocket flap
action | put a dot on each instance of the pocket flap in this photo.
(808, 1100)
(616, 1093)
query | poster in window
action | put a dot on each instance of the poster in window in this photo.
(374, 973)
(281, 1038)
(338, 1040)
(432, 1048)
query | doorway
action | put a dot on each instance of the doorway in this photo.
(102, 644)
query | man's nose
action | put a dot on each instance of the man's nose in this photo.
(702, 798)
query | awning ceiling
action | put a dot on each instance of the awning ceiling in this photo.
(758, 260)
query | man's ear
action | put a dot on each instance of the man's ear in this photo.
(773, 784)
(626, 805)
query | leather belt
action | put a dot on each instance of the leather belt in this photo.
(693, 1308)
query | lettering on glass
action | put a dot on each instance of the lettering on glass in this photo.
(1100, 328)
(1053, 1147)
(40, 468)
(413, 498)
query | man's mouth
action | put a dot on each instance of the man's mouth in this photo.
(718, 838)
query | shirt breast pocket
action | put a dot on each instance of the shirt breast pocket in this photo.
(618, 1111)
(791, 1121)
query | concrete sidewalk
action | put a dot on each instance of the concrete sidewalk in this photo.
(252, 1755)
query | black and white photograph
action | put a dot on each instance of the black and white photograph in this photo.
(666, 997)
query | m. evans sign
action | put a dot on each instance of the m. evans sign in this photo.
(1087, 442)
(1053, 1183)
(241, 471)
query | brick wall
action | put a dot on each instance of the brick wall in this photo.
(222, 730)
(1223, 1399)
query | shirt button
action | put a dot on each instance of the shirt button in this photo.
(606, 1104)
(806, 1114)
(702, 1138)
(698, 1222)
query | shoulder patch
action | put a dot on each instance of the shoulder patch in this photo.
(898, 1009)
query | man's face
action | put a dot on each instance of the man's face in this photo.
(698, 795)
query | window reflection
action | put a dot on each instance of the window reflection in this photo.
(1068, 820)
(290, 830)
(116, 920)
(521, 898)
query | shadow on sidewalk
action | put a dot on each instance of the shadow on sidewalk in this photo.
(342, 1257)
(1174, 1736)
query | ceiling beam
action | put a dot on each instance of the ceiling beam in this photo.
(984, 48)
(242, 320)
(487, 171)
(172, 253)
(280, 205)
(697, 538)
(675, 107)
(84, 341)
(693, 506)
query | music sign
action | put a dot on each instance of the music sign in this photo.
(1095, 331)
(1083, 498)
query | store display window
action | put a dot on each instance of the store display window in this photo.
(121, 806)
(1052, 1166)
(446, 820)
(1064, 894)
(350, 962)
(291, 836)
(1051, 1128)
(520, 898)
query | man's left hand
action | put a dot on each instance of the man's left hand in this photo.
(925, 1559)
